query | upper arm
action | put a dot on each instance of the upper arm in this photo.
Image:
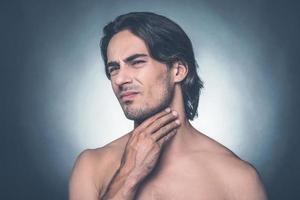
(253, 188)
(247, 184)
(82, 185)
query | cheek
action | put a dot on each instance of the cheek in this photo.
(151, 91)
(157, 88)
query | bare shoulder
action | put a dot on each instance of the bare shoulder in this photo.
(239, 177)
(93, 168)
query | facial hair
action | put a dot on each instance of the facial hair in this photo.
(138, 115)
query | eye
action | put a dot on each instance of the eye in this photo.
(138, 62)
(112, 70)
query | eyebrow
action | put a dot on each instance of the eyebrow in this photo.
(126, 60)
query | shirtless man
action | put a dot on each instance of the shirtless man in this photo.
(150, 63)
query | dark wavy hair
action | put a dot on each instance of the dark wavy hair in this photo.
(166, 42)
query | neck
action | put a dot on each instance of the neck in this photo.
(183, 134)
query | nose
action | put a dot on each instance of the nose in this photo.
(124, 76)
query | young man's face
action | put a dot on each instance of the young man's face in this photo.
(142, 85)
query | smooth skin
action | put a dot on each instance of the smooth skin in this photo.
(160, 158)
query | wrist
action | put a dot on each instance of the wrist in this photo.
(129, 188)
(130, 184)
(130, 178)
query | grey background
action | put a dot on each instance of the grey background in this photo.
(56, 102)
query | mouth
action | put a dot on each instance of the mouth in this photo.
(128, 96)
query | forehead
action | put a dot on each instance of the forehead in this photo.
(124, 44)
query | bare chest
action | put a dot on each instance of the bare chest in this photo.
(180, 185)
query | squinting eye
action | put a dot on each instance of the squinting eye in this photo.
(138, 62)
(112, 70)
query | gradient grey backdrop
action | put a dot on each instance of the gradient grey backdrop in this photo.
(56, 101)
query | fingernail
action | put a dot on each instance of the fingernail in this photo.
(167, 109)
(174, 113)
(177, 121)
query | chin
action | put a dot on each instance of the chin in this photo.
(142, 113)
(139, 111)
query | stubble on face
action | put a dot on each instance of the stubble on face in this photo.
(157, 100)
(151, 81)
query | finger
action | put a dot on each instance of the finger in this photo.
(132, 138)
(164, 140)
(152, 119)
(165, 130)
(161, 122)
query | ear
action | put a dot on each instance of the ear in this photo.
(179, 71)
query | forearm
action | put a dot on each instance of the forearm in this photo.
(122, 186)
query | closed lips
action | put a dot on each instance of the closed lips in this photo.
(127, 94)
